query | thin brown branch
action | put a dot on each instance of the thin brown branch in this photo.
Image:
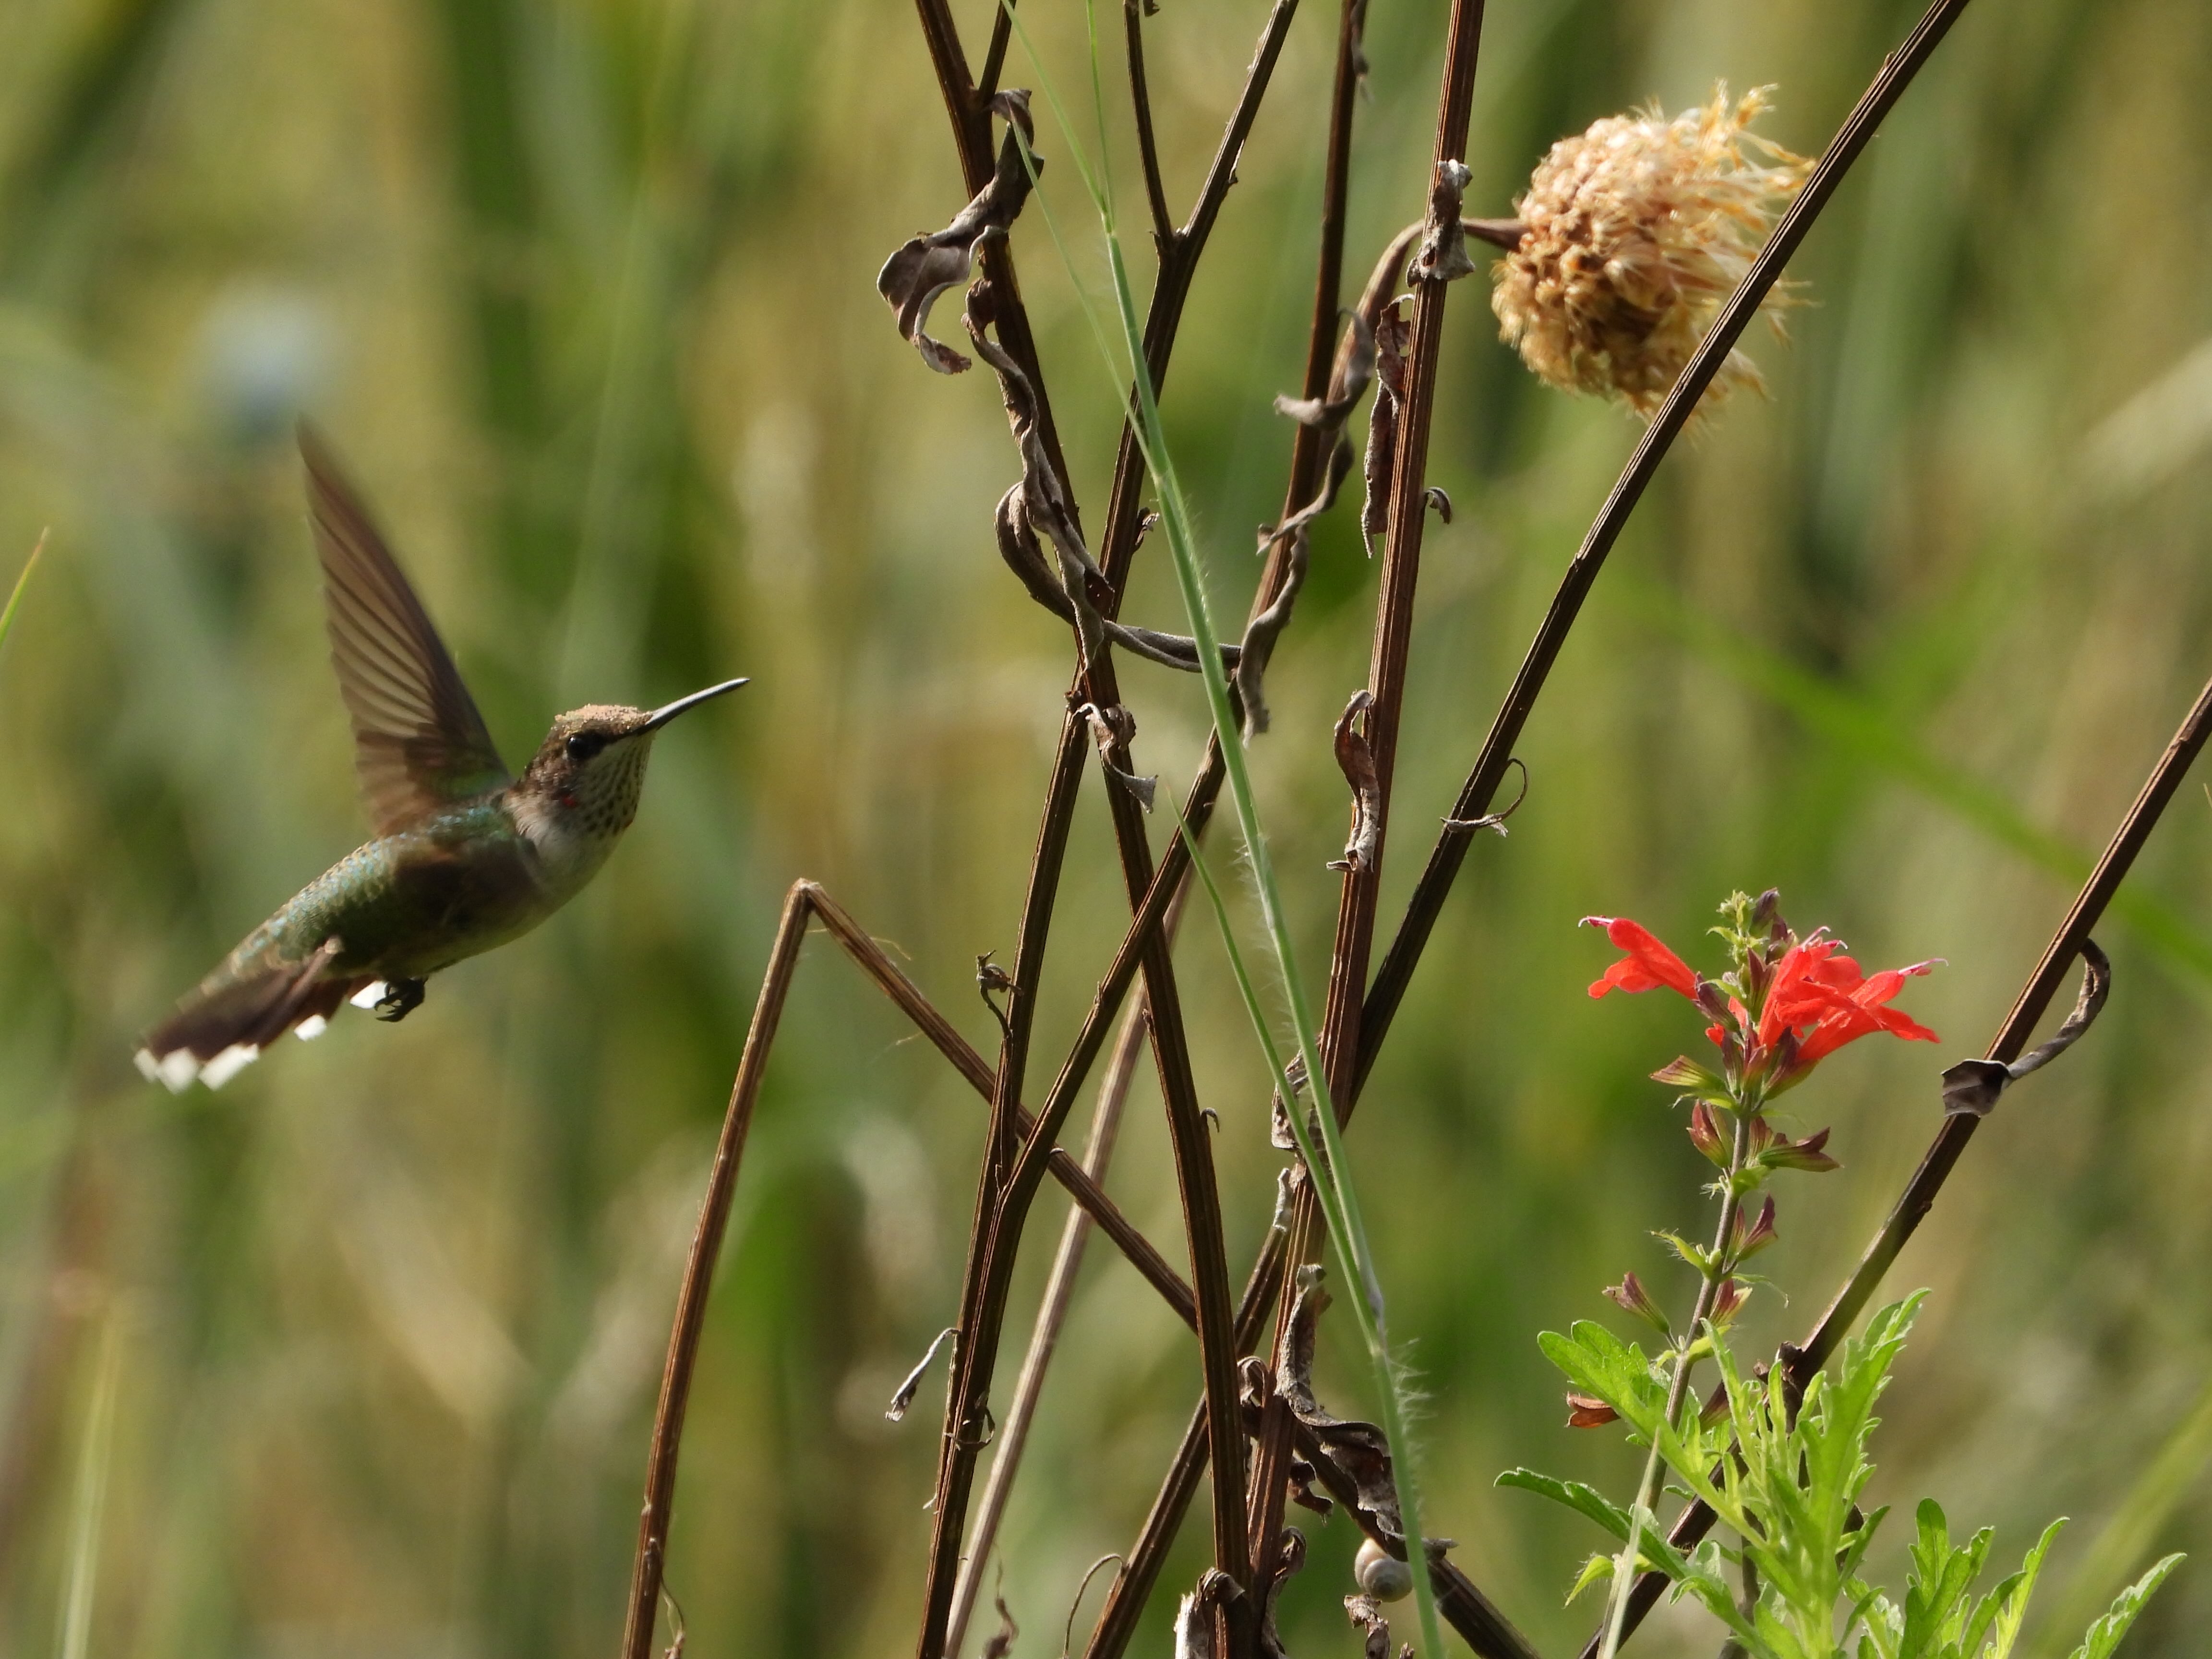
(995, 55)
(1482, 784)
(1148, 148)
(1222, 173)
(967, 1394)
(1472, 1613)
(1959, 1127)
(1171, 288)
(1393, 625)
(1132, 1586)
(698, 1276)
(1309, 453)
(1004, 1196)
(807, 903)
(1044, 1333)
(1082, 1184)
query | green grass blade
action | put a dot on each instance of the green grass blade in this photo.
(91, 1500)
(22, 582)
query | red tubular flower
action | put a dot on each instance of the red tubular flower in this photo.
(1811, 1001)
(1648, 965)
(1840, 1006)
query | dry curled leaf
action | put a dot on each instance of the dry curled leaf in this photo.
(1264, 630)
(1366, 1612)
(1971, 1086)
(1443, 256)
(904, 1397)
(1356, 759)
(1394, 339)
(1001, 1640)
(1353, 369)
(1113, 729)
(1019, 548)
(1359, 1451)
(913, 277)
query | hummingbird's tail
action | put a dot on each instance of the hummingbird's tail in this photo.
(220, 1029)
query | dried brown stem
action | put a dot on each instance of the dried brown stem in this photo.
(1148, 149)
(698, 1276)
(807, 903)
(1943, 1153)
(1132, 1586)
(1482, 785)
(1044, 1334)
(1464, 1605)
(1004, 1195)
(1394, 625)
(1469, 1611)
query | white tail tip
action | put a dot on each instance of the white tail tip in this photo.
(229, 1063)
(177, 1071)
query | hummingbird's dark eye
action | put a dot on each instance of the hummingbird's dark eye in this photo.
(585, 744)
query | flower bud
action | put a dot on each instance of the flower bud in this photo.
(1755, 974)
(1807, 1154)
(1750, 1241)
(1712, 999)
(1766, 915)
(1630, 1295)
(1380, 1574)
(1683, 1072)
(1705, 1133)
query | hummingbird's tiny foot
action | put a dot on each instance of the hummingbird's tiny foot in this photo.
(401, 997)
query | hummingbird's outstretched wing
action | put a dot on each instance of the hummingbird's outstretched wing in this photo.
(419, 743)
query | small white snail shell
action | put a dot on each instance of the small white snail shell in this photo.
(1380, 1574)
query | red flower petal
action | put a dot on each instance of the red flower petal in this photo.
(1649, 964)
(1808, 963)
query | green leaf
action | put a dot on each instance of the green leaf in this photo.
(1696, 1255)
(22, 582)
(1935, 1605)
(2104, 1635)
(1615, 1371)
(1596, 1571)
(1581, 1499)
(2009, 1600)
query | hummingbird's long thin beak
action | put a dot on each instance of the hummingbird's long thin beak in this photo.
(667, 712)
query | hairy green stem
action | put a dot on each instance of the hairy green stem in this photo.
(1678, 1388)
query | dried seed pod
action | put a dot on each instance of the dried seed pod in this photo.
(1380, 1574)
(1637, 230)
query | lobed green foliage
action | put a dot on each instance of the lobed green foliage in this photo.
(1786, 1479)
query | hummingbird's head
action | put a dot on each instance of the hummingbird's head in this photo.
(582, 786)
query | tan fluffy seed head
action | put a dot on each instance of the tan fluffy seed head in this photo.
(1637, 230)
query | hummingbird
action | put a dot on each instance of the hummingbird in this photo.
(466, 855)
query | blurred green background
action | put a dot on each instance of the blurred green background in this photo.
(583, 290)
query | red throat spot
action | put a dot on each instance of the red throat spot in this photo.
(567, 798)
